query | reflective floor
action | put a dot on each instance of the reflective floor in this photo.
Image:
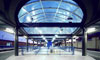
(45, 54)
(50, 57)
(57, 54)
(46, 51)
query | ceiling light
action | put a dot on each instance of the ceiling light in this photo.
(25, 36)
(45, 40)
(90, 30)
(40, 31)
(56, 36)
(60, 31)
(28, 19)
(9, 30)
(69, 40)
(76, 37)
(53, 39)
(42, 36)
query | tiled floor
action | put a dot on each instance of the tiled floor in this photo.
(31, 56)
(49, 57)
(45, 51)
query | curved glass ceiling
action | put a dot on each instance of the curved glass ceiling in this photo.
(50, 11)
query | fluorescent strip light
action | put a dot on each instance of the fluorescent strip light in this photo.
(25, 36)
(90, 30)
(76, 37)
(56, 36)
(9, 30)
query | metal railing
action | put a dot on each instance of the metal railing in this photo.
(37, 50)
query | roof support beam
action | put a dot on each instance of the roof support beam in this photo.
(50, 35)
(50, 24)
(46, 38)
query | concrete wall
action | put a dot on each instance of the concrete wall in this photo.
(91, 43)
(94, 43)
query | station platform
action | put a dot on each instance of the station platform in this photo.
(6, 49)
(50, 56)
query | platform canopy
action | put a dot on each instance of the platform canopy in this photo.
(35, 13)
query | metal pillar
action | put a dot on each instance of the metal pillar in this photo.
(71, 42)
(41, 43)
(65, 42)
(33, 43)
(84, 43)
(77, 43)
(16, 42)
(37, 43)
(27, 45)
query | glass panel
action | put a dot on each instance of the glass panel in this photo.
(28, 18)
(53, 30)
(61, 20)
(75, 19)
(62, 16)
(48, 36)
(65, 12)
(31, 13)
(25, 18)
(36, 12)
(38, 16)
(21, 12)
(67, 6)
(71, 1)
(32, 1)
(47, 14)
(49, 10)
(79, 12)
(50, 4)
(32, 6)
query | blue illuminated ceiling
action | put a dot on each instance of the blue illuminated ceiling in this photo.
(49, 30)
(50, 11)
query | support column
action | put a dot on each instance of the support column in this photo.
(41, 43)
(37, 43)
(33, 43)
(77, 43)
(16, 42)
(27, 44)
(65, 42)
(71, 42)
(84, 43)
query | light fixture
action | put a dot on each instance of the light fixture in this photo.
(28, 19)
(36, 28)
(42, 35)
(75, 37)
(25, 36)
(44, 38)
(90, 30)
(9, 30)
(60, 31)
(56, 36)
(53, 39)
(40, 31)
(69, 40)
